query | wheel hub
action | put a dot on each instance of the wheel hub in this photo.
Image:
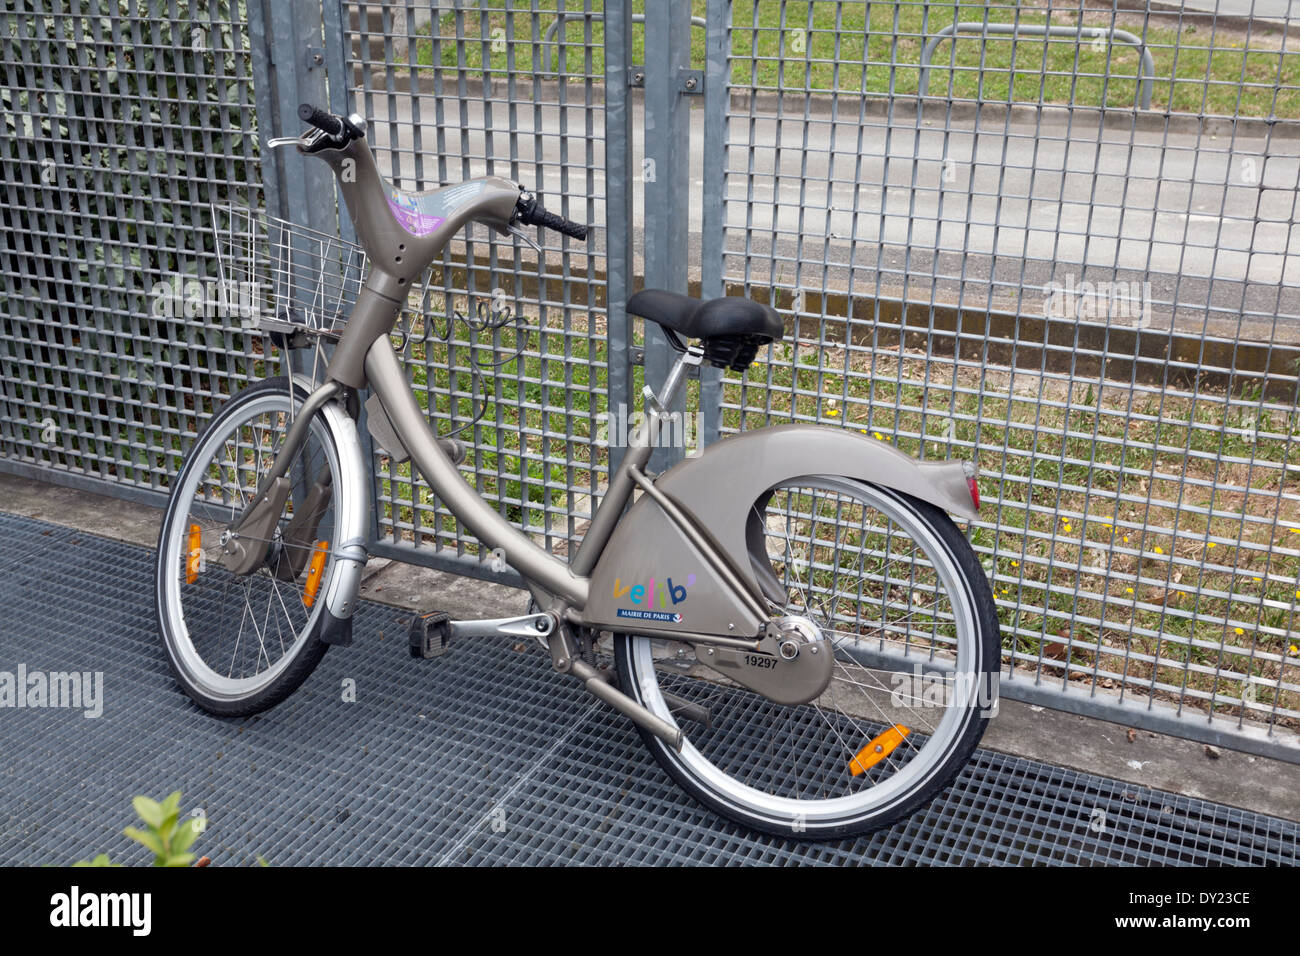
(793, 664)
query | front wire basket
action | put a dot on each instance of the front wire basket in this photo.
(288, 278)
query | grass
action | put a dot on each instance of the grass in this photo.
(1127, 544)
(1130, 532)
(875, 49)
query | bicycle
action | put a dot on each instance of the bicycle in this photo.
(801, 634)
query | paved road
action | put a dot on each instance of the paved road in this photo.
(1207, 215)
(1250, 9)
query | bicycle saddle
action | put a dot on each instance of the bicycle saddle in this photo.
(731, 328)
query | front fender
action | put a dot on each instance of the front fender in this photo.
(719, 489)
(352, 523)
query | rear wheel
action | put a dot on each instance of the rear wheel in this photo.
(241, 643)
(892, 584)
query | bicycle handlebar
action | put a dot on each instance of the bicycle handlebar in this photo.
(325, 122)
(340, 130)
(531, 213)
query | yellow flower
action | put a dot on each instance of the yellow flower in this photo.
(1016, 564)
(832, 413)
(879, 437)
(1159, 550)
(1237, 630)
(1210, 545)
(1128, 590)
(1294, 649)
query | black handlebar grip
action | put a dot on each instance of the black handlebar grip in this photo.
(326, 122)
(535, 215)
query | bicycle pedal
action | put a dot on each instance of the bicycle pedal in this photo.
(430, 634)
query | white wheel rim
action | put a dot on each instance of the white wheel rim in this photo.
(869, 802)
(196, 669)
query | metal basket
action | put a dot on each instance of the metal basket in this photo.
(300, 280)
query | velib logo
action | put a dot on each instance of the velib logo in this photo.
(75, 909)
(654, 601)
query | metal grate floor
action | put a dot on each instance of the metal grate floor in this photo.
(484, 757)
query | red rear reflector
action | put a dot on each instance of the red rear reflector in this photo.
(974, 492)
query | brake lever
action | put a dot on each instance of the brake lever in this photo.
(520, 234)
(284, 141)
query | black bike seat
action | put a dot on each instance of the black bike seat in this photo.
(732, 328)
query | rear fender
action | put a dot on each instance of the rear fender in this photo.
(719, 489)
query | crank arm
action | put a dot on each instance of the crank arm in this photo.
(528, 625)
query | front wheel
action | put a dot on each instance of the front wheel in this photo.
(240, 643)
(898, 591)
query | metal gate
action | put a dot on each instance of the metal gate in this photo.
(987, 246)
(1054, 238)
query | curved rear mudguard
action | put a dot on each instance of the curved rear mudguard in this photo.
(651, 578)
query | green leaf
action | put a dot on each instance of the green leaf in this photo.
(176, 859)
(185, 836)
(146, 838)
(173, 802)
(150, 811)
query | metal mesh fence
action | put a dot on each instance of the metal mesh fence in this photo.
(123, 120)
(1096, 301)
(506, 346)
(1070, 258)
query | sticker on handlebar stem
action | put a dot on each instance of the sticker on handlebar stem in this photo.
(422, 213)
(410, 217)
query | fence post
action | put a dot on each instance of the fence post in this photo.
(713, 213)
(666, 175)
(289, 67)
(618, 206)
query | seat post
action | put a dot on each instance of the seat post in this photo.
(657, 404)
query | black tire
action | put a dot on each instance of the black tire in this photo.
(312, 649)
(960, 750)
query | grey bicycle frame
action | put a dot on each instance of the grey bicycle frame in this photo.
(697, 518)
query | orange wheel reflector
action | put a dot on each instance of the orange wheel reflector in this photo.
(877, 749)
(314, 571)
(194, 559)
